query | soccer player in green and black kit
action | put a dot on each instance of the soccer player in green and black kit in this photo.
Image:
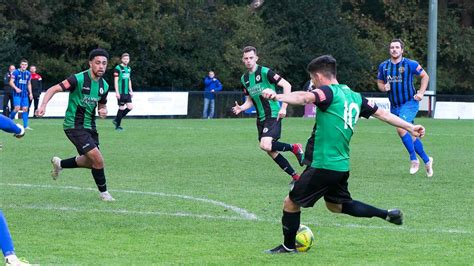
(327, 153)
(123, 89)
(269, 113)
(87, 90)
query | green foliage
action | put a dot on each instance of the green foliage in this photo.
(174, 43)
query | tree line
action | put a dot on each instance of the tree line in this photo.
(174, 43)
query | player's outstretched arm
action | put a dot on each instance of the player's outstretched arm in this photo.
(415, 130)
(47, 97)
(294, 98)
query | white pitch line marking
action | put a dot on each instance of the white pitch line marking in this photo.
(124, 212)
(242, 212)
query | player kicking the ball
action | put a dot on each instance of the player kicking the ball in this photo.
(87, 90)
(327, 153)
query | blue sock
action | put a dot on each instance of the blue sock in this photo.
(12, 114)
(7, 125)
(419, 149)
(25, 119)
(6, 243)
(408, 142)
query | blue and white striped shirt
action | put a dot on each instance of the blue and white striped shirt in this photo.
(21, 79)
(400, 77)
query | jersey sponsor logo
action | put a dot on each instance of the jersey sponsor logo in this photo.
(394, 79)
(125, 75)
(22, 81)
(255, 90)
(90, 100)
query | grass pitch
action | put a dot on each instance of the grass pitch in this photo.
(201, 192)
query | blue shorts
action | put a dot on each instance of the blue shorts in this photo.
(21, 101)
(406, 111)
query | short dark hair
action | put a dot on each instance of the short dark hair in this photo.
(402, 44)
(325, 65)
(125, 54)
(98, 52)
(249, 49)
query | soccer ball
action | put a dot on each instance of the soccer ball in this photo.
(304, 238)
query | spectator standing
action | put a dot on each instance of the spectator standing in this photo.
(7, 91)
(211, 86)
(36, 87)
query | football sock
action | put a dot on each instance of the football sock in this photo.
(419, 149)
(280, 146)
(290, 222)
(284, 164)
(7, 125)
(125, 112)
(12, 114)
(25, 119)
(69, 163)
(359, 209)
(408, 142)
(6, 243)
(118, 119)
(99, 178)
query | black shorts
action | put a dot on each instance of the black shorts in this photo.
(315, 183)
(124, 99)
(269, 127)
(85, 140)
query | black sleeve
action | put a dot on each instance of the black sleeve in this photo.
(103, 98)
(69, 84)
(324, 96)
(367, 108)
(273, 77)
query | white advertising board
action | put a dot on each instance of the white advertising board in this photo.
(145, 104)
(454, 110)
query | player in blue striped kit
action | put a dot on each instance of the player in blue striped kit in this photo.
(6, 243)
(22, 94)
(395, 76)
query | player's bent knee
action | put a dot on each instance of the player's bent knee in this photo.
(333, 207)
(290, 206)
(266, 146)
